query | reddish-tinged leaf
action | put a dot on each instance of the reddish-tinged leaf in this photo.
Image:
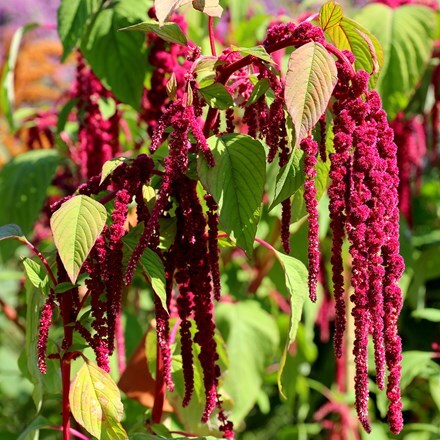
(310, 80)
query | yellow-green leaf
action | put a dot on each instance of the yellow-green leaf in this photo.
(96, 404)
(75, 227)
(330, 15)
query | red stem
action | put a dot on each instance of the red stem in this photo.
(66, 307)
(159, 394)
(211, 35)
(120, 344)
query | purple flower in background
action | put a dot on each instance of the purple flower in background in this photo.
(21, 12)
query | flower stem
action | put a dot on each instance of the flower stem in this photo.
(211, 35)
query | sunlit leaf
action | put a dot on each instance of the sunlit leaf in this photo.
(151, 264)
(310, 80)
(216, 95)
(111, 165)
(256, 51)
(96, 404)
(75, 227)
(330, 15)
(164, 8)
(209, 7)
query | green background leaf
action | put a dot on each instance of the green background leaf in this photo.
(118, 58)
(23, 186)
(236, 182)
(406, 34)
(72, 19)
(75, 228)
(251, 337)
(296, 279)
(11, 231)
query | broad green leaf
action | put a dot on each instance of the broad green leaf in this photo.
(170, 32)
(35, 272)
(296, 279)
(111, 165)
(310, 80)
(23, 186)
(75, 227)
(289, 179)
(151, 264)
(236, 182)
(428, 314)
(7, 92)
(330, 15)
(350, 35)
(258, 91)
(38, 423)
(119, 58)
(96, 404)
(11, 231)
(406, 34)
(216, 95)
(251, 340)
(256, 51)
(72, 18)
(208, 7)
(413, 364)
(206, 64)
(164, 8)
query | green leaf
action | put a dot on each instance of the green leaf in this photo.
(236, 182)
(296, 279)
(38, 423)
(119, 58)
(310, 80)
(72, 18)
(251, 338)
(216, 95)
(350, 35)
(330, 15)
(11, 231)
(258, 91)
(407, 35)
(413, 364)
(64, 113)
(75, 227)
(289, 179)
(151, 264)
(170, 32)
(23, 186)
(7, 91)
(321, 183)
(107, 107)
(35, 272)
(64, 287)
(111, 165)
(96, 404)
(256, 51)
(428, 314)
